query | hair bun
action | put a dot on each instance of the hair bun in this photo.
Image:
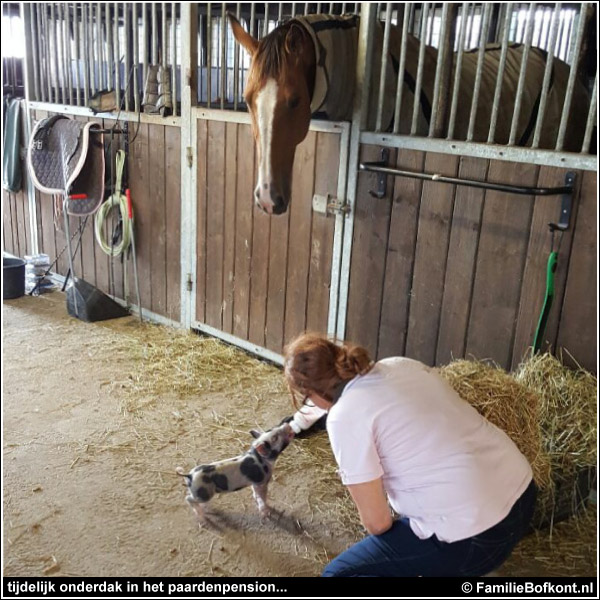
(352, 361)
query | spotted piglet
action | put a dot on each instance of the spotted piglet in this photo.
(254, 467)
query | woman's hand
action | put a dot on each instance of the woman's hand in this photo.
(371, 501)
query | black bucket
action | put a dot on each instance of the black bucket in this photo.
(13, 278)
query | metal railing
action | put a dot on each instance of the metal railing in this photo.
(81, 49)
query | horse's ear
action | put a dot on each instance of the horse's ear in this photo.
(294, 39)
(242, 36)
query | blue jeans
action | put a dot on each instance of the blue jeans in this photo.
(400, 553)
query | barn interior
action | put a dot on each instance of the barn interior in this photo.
(144, 328)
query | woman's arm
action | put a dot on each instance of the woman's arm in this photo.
(371, 501)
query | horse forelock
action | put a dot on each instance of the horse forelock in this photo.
(270, 59)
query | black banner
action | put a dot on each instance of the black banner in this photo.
(175, 587)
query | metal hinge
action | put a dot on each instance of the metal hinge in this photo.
(189, 156)
(190, 282)
(326, 205)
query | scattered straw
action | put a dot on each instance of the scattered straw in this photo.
(568, 551)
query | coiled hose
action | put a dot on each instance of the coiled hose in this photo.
(117, 200)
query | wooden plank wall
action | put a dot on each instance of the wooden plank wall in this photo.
(441, 272)
(155, 183)
(263, 279)
(15, 211)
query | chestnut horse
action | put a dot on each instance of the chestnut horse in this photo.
(307, 66)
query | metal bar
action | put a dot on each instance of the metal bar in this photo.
(69, 58)
(500, 74)
(293, 10)
(109, 46)
(239, 342)
(34, 49)
(318, 8)
(570, 38)
(117, 55)
(562, 129)
(54, 53)
(480, 58)
(359, 118)
(201, 55)
(136, 57)
(266, 20)
(154, 34)
(521, 84)
(236, 62)
(209, 53)
(420, 69)
(442, 71)
(42, 50)
(83, 111)
(222, 58)
(338, 234)
(384, 63)
(253, 17)
(279, 15)
(65, 63)
(470, 21)
(60, 51)
(100, 49)
(127, 71)
(174, 56)
(85, 53)
(483, 185)
(144, 45)
(550, 158)
(458, 69)
(163, 31)
(431, 20)
(591, 120)
(547, 76)
(189, 140)
(546, 19)
(91, 41)
(402, 65)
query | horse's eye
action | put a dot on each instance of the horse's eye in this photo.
(293, 102)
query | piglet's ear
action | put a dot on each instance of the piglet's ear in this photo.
(255, 433)
(262, 449)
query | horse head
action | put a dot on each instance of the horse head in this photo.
(278, 94)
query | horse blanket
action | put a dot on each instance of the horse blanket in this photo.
(335, 40)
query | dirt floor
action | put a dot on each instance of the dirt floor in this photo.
(96, 418)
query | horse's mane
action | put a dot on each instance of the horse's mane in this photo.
(270, 59)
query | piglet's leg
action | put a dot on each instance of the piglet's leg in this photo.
(260, 495)
(198, 509)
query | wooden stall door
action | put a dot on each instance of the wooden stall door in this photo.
(262, 279)
(441, 272)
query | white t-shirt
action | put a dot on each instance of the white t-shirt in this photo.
(444, 466)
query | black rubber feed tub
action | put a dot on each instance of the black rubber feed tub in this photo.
(13, 278)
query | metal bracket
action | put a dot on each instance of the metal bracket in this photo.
(381, 177)
(326, 205)
(566, 205)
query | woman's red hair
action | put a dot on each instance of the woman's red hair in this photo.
(313, 363)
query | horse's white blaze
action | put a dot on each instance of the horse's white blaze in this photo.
(266, 100)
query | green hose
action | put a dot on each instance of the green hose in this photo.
(117, 200)
(543, 320)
